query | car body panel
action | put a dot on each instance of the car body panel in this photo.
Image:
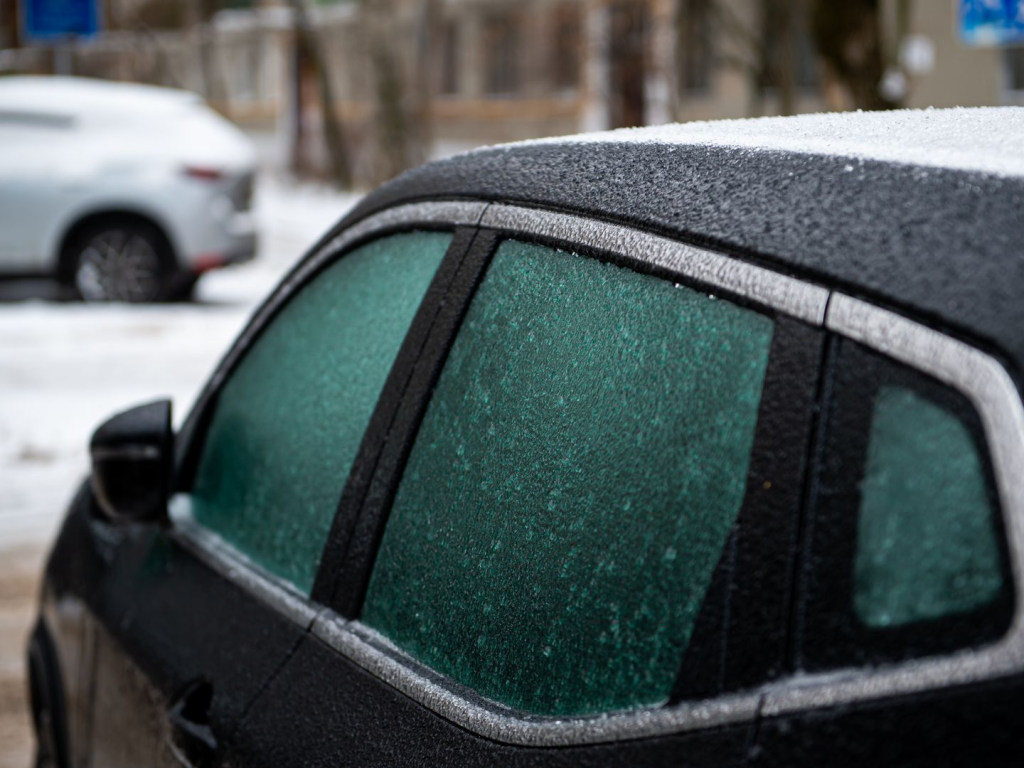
(829, 250)
(335, 730)
(178, 624)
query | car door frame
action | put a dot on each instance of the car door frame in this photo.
(742, 648)
(986, 383)
(142, 599)
(355, 532)
(459, 217)
(790, 300)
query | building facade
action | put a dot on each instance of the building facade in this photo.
(471, 72)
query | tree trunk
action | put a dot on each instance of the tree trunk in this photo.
(427, 32)
(201, 13)
(627, 64)
(391, 121)
(785, 63)
(848, 36)
(309, 43)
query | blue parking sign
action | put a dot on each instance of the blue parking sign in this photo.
(55, 19)
(992, 22)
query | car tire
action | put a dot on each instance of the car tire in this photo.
(183, 287)
(121, 260)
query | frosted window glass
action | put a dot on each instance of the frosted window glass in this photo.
(289, 421)
(573, 484)
(926, 546)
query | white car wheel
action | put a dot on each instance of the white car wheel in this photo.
(120, 263)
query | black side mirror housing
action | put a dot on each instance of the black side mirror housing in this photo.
(132, 456)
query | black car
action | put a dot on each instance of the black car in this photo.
(698, 445)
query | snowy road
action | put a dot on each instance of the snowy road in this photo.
(65, 367)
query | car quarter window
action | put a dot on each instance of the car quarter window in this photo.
(926, 544)
(288, 423)
(571, 489)
(907, 556)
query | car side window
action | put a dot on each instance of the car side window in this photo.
(926, 545)
(288, 422)
(907, 556)
(573, 484)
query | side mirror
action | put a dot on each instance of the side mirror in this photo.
(132, 455)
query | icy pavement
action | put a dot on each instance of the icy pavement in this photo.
(65, 367)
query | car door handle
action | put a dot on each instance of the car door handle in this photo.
(191, 738)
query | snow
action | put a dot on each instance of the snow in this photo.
(985, 139)
(65, 367)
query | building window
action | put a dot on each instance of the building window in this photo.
(697, 53)
(1014, 70)
(501, 54)
(565, 64)
(249, 80)
(450, 58)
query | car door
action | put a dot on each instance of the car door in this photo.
(34, 162)
(195, 619)
(575, 548)
(907, 643)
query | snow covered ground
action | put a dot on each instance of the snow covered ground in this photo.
(65, 367)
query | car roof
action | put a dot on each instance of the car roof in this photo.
(922, 211)
(986, 139)
(80, 96)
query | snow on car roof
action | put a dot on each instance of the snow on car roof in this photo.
(74, 96)
(920, 210)
(984, 139)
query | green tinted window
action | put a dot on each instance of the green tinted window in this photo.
(926, 546)
(289, 421)
(573, 484)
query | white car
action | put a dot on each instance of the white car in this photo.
(122, 192)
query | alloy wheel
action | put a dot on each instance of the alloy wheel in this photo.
(118, 265)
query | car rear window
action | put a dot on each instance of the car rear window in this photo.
(571, 489)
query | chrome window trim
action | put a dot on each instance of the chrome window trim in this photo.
(455, 213)
(985, 382)
(203, 543)
(378, 656)
(223, 558)
(802, 300)
(976, 374)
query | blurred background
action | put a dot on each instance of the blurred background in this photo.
(301, 106)
(406, 80)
